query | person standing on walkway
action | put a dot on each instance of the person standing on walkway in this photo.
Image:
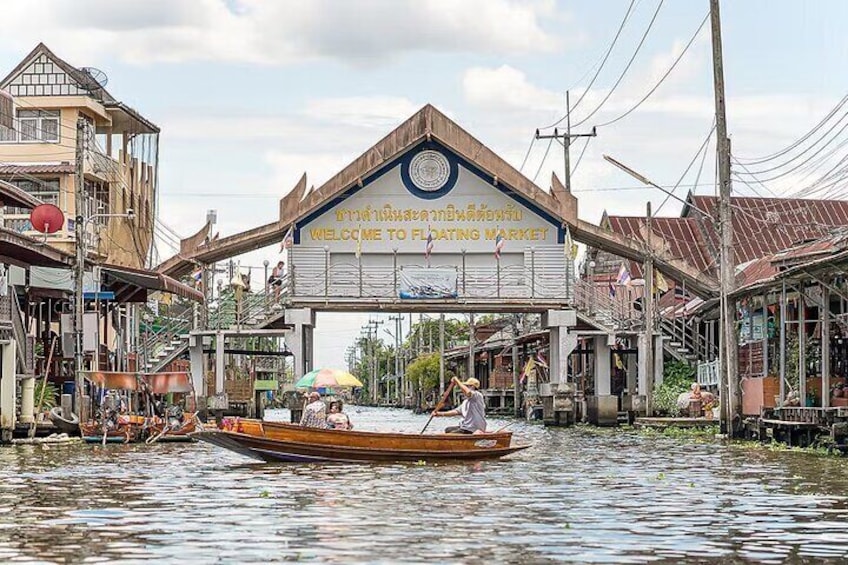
(472, 409)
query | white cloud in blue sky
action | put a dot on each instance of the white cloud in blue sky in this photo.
(252, 93)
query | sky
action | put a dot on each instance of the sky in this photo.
(250, 94)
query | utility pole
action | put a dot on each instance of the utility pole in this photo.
(79, 233)
(566, 137)
(731, 400)
(471, 345)
(649, 313)
(373, 325)
(441, 355)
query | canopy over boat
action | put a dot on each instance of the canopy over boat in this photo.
(163, 383)
(113, 380)
(277, 441)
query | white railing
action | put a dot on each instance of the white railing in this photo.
(350, 280)
(708, 373)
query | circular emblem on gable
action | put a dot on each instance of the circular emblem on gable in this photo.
(429, 170)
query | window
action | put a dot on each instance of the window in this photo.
(33, 126)
(46, 190)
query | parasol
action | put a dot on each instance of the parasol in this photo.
(327, 378)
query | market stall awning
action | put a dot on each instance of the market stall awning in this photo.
(130, 285)
(24, 251)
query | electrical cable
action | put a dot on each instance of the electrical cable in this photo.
(544, 158)
(662, 79)
(763, 159)
(626, 68)
(603, 62)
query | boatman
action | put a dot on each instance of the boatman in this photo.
(472, 409)
(314, 413)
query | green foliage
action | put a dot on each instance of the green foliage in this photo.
(423, 373)
(677, 379)
(50, 393)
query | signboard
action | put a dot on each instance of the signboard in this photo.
(427, 283)
(429, 193)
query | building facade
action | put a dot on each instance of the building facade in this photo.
(59, 119)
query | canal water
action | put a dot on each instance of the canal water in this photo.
(578, 495)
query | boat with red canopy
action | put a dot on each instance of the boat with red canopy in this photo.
(172, 419)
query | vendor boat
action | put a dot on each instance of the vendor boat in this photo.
(171, 423)
(114, 420)
(278, 441)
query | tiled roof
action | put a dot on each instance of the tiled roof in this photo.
(55, 168)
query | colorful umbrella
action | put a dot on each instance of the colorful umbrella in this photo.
(327, 378)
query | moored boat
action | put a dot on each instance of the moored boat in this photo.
(278, 441)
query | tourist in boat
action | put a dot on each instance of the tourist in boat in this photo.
(472, 409)
(337, 419)
(315, 413)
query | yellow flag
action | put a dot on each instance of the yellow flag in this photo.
(569, 248)
(660, 284)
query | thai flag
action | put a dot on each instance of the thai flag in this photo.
(540, 360)
(623, 276)
(611, 290)
(500, 241)
(428, 247)
(197, 276)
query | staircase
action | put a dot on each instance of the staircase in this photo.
(681, 338)
(171, 340)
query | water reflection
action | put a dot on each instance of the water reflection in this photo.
(577, 495)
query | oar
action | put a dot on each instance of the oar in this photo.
(439, 405)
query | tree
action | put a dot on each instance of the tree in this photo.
(423, 373)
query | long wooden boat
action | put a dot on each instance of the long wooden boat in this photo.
(166, 429)
(127, 429)
(278, 441)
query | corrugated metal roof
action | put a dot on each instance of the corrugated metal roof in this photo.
(763, 226)
(681, 234)
(51, 169)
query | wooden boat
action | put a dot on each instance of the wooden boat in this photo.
(172, 423)
(278, 441)
(114, 420)
(64, 425)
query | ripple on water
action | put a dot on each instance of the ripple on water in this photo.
(577, 495)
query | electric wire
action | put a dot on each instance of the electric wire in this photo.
(600, 68)
(626, 68)
(661, 80)
(544, 158)
(802, 139)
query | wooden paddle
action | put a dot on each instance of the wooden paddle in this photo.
(439, 405)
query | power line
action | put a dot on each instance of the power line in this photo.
(626, 68)
(701, 148)
(763, 159)
(600, 68)
(544, 157)
(662, 79)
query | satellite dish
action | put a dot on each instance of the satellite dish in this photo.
(46, 218)
(93, 78)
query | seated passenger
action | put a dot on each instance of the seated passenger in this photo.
(337, 419)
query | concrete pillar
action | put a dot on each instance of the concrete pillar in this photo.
(562, 342)
(27, 415)
(219, 362)
(603, 369)
(301, 342)
(632, 367)
(642, 374)
(658, 360)
(8, 390)
(195, 354)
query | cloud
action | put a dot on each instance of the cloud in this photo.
(366, 32)
(380, 112)
(507, 88)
